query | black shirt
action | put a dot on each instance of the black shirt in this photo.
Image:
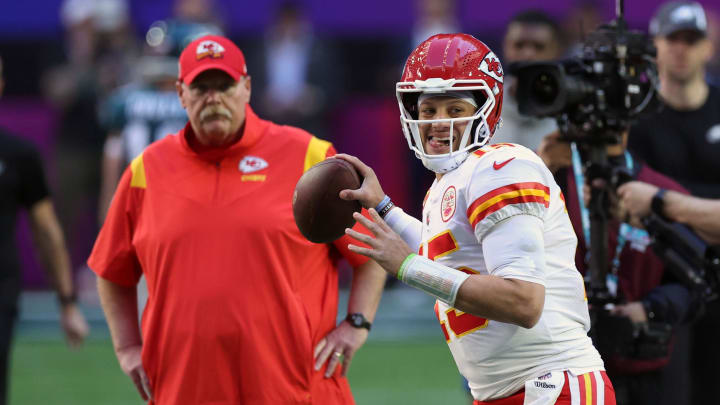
(684, 145)
(22, 184)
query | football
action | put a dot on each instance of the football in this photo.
(319, 212)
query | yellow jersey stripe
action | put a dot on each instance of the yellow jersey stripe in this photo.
(510, 194)
(316, 152)
(138, 172)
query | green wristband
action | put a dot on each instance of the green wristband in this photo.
(404, 265)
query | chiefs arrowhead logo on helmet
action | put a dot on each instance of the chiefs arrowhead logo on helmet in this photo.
(491, 66)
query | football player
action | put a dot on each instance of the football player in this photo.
(495, 245)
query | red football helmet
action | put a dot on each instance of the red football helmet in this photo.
(442, 64)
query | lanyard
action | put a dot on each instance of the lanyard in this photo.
(625, 229)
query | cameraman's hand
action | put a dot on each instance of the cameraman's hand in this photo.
(614, 205)
(555, 152)
(633, 310)
(636, 196)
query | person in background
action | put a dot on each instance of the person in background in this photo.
(241, 307)
(23, 186)
(682, 141)
(531, 36)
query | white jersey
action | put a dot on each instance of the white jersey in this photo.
(460, 210)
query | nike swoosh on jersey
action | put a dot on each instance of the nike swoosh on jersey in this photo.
(497, 166)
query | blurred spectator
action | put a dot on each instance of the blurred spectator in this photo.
(191, 19)
(297, 77)
(531, 36)
(683, 141)
(713, 67)
(583, 17)
(434, 17)
(22, 186)
(99, 52)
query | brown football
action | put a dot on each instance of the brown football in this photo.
(319, 212)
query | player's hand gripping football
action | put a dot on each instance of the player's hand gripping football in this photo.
(387, 248)
(370, 193)
(339, 346)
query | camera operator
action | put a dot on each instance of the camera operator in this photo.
(701, 214)
(683, 141)
(637, 280)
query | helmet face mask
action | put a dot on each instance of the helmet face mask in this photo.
(428, 71)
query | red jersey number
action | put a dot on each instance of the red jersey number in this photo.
(458, 322)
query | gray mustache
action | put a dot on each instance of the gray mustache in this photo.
(210, 111)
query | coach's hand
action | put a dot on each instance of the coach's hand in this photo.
(370, 193)
(131, 364)
(387, 248)
(339, 346)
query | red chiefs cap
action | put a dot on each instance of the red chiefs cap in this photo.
(211, 52)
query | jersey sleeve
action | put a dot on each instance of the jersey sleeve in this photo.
(113, 257)
(33, 186)
(507, 187)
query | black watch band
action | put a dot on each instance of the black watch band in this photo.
(657, 204)
(66, 300)
(358, 320)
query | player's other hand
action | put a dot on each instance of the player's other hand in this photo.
(131, 364)
(387, 248)
(74, 325)
(370, 193)
(338, 348)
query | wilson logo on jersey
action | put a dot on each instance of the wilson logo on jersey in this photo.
(250, 164)
(447, 206)
(518, 193)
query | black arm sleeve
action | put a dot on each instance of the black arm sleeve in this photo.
(33, 186)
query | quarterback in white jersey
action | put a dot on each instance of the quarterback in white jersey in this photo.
(495, 244)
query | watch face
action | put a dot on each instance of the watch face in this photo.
(358, 321)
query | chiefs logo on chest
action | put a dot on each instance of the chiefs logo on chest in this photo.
(447, 206)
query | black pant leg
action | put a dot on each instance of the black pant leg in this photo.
(7, 323)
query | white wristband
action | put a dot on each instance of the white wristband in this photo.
(435, 279)
(408, 227)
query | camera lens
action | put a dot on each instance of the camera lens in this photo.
(545, 88)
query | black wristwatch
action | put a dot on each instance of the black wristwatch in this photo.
(657, 204)
(358, 320)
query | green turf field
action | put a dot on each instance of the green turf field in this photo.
(45, 372)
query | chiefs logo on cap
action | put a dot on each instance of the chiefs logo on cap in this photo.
(209, 49)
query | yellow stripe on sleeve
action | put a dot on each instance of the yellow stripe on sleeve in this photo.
(316, 152)
(137, 167)
(508, 195)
